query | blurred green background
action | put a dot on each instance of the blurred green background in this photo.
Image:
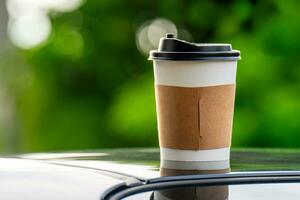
(75, 75)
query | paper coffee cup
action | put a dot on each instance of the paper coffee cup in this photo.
(195, 91)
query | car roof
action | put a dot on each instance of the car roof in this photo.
(95, 173)
(28, 179)
(143, 163)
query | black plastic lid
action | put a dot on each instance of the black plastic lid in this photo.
(171, 48)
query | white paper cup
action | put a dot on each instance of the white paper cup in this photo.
(195, 91)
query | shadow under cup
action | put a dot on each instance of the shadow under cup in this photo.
(192, 193)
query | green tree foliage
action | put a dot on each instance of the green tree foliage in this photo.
(90, 87)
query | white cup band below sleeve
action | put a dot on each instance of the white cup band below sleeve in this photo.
(195, 155)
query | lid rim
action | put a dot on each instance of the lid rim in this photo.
(194, 59)
(194, 52)
(232, 55)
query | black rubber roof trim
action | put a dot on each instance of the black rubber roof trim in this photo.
(205, 180)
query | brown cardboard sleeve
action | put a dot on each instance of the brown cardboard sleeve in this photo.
(195, 118)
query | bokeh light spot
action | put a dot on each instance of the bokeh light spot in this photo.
(68, 41)
(29, 30)
(29, 24)
(149, 34)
